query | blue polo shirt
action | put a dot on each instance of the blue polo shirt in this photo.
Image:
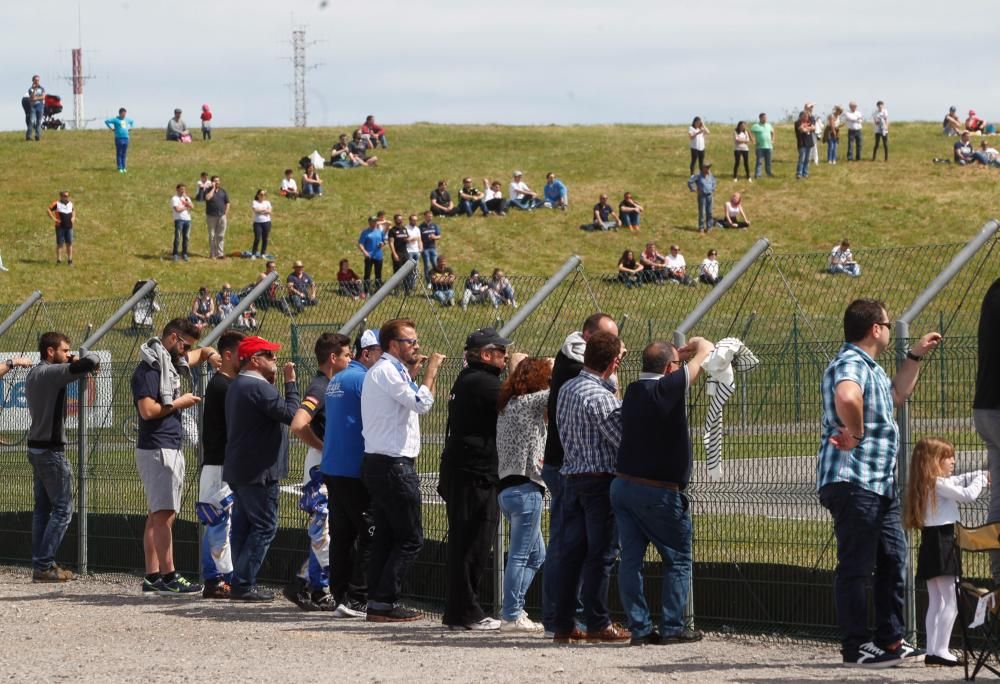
(555, 191)
(371, 239)
(343, 445)
(426, 231)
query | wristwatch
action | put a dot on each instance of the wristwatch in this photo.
(10, 364)
(913, 357)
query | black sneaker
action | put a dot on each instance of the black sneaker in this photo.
(252, 595)
(298, 594)
(870, 656)
(397, 613)
(180, 587)
(324, 601)
(685, 636)
(909, 652)
(152, 588)
(651, 639)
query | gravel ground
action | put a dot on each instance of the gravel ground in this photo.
(102, 630)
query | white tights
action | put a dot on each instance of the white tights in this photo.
(942, 609)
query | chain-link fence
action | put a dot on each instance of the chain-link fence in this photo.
(764, 553)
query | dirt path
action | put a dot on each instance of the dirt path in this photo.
(103, 630)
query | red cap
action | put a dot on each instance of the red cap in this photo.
(252, 345)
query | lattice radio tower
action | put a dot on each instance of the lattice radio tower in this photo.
(299, 66)
(78, 79)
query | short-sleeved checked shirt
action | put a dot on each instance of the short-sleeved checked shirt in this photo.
(872, 464)
(588, 415)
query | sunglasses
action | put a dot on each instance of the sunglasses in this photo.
(407, 340)
(887, 324)
(265, 354)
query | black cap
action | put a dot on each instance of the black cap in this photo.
(485, 337)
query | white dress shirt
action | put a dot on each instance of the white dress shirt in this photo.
(390, 404)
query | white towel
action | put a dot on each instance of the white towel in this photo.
(730, 354)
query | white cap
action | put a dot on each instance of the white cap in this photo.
(369, 338)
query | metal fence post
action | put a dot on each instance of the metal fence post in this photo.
(985, 234)
(82, 428)
(20, 311)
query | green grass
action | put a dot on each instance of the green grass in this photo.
(125, 230)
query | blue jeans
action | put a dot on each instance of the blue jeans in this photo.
(522, 507)
(853, 270)
(854, 139)
(802, 167)
(121, 152)
(662, 516)
(762, 155)
(33, 120)
(182, 231)
(394, 487)
(587, 551)
(53, 484)
(255, 522)
(527, 203)
(311, 190)
(869, 539)
(430, 258)
(216, 550)
(469, 207)
(704, 211)
(831, 150)
(444, 296)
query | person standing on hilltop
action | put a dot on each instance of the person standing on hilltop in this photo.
(63, 214)
(121, 125)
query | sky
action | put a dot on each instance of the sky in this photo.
(511, 62)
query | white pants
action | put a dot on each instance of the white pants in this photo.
(942, 609)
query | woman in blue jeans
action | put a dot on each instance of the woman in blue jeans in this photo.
(521, 428)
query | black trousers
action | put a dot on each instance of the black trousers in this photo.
(745, 156)
(351, 532)
(884, 138)
(472, 510)
(697, 159)
(375, 264)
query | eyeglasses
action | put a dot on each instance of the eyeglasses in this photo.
(407, 340)
(501, 350)
(887, 324)
(621, 357)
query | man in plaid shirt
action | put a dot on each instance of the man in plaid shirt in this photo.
(588, 415)
(857, 483)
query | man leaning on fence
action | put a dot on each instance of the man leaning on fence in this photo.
(986, 405)
(156, 391)
(45, 390)
(256, 458)
(390, 405)
(856, 479)
(652, 472)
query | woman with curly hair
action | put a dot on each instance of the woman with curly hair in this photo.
(521, 422)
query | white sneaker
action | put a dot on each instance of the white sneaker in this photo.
(522, 624)
(344, 611)
(487, 624)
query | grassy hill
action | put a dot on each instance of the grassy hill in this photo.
(125, 228)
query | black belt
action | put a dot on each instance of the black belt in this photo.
(672, 486)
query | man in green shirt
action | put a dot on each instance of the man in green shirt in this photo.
(763, 135)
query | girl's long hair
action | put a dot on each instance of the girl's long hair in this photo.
(925, 468)
(531, 375)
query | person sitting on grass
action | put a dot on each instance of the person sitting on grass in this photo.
(676, 267)
(735, 216)
(177, 130)
(203, 311)
(301, 288)
(289, 189)
(963, 150)
(555, 193)
(522, 196)
(348, 282)
(358, 147)
(988, 155)
(629, 270)
(951, 124)
(273, 296)
(312, 184)
(503, 291)
(340, 154)
(373, 134)
(470, 199)
(842, 260)
(654, 268)
(477, 291)
(441, 202)
(974, 124)
(443, 282)
(710, 269)
(605, 217)
(629, 211)
(495, 203)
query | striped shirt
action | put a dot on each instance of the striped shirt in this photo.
(872, 464)
(588, 415)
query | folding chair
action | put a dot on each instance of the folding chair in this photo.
(980, 645)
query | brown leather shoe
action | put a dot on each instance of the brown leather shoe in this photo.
(576, 636)
(610, 634)
(52, 575)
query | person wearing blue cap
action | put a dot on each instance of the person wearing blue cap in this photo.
(343, 452)
(468, 478)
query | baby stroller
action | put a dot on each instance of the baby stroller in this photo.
(53, 106)
(144, 311)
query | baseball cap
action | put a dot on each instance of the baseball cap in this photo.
(484, 337)
(297, 264)
(518, 173)
(177, 111)
(369, 338)
(972, 112)
(253, 345)
(372, 218)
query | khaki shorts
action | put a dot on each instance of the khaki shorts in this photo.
(162, 475)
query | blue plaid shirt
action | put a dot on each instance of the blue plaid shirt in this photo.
(872, 464)
(588, 417)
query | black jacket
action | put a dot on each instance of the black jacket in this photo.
(563, 370)
(471, 443)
